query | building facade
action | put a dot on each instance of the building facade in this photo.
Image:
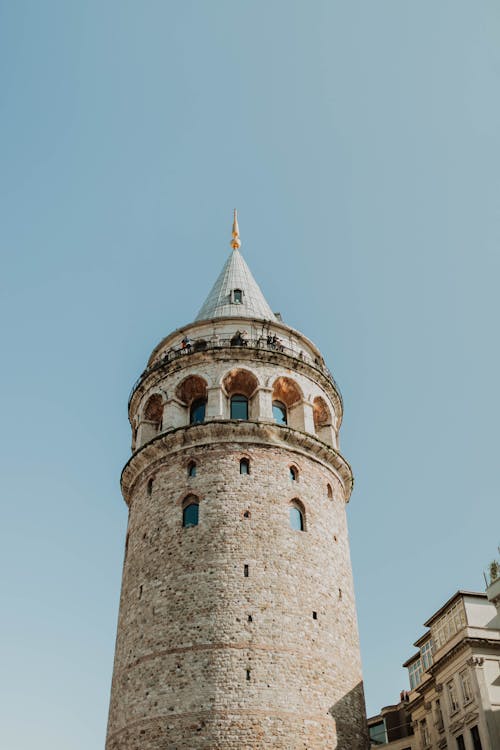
(237, 624)
(454, 701)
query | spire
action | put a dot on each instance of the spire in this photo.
(235, 293)
(235, 242)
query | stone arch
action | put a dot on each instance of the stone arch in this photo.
(191, 388)
(286, 392)
(192, 392)
(240, 382)
(322, 420)
(150, 419)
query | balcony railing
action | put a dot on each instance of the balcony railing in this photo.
(270, 343)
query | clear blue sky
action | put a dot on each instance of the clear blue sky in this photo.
(360, 143)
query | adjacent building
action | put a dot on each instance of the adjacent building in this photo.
(454, 698)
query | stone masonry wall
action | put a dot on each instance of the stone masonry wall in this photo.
(191, 670)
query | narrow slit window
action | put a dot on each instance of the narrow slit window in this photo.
(244, 466)
(297, 517)
(245, 571)
(192, 469)
(150, 487)
(190, 515)
(329, 491)
(315, 615)
(294, 474)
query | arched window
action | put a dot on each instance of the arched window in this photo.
(190, 512)
(239, 406)
(329, 491)
(197, 411)
(279, 412)
(244, 466)
(150, 487)
(192, 469)
(294, 474)
(297, 521)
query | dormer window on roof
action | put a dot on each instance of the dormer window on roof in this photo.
(237, 296)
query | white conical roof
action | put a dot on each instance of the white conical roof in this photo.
(222, 302)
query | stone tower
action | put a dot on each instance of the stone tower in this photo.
(237, 625)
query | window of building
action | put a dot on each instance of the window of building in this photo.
(297, 516)
(378, 733)
(329, 491)
(415, 673)
(465, 685)
(192, 469)
(197, 411)
(244, 466)
(452, 696)
(238, 296)
(279, 412)
(239, 406)
(294, 474)
(150, 487)
(460, 742)
(426, 655)
(476, 739)
(424, 731)
(190, 515)
(438, 714)
(448, 624)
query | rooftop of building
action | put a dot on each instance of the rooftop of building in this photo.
(235, 292)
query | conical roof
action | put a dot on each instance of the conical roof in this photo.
(235, 293)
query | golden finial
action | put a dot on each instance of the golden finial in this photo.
(236, 242)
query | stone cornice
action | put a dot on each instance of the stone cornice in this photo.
(218, 432)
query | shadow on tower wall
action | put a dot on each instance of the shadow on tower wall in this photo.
(350, 720)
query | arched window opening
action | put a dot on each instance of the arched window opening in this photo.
(150, 487)
(322, 420)
(192, 391)
(239, 386)
(192, 469)
(150, 422)
(287, 401)
(297, 516)
(239, 406)
(190, 512)
(237, 296)
(279, 412)
(244, 466)
(197, 411)
(294, 474)
(153, 411)
(329, 491)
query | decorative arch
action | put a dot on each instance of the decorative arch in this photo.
(240, 386)
(193, 393)
(288, 402)
(150, 420)
(322, 420)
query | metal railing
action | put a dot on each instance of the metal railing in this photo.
(237, 341)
